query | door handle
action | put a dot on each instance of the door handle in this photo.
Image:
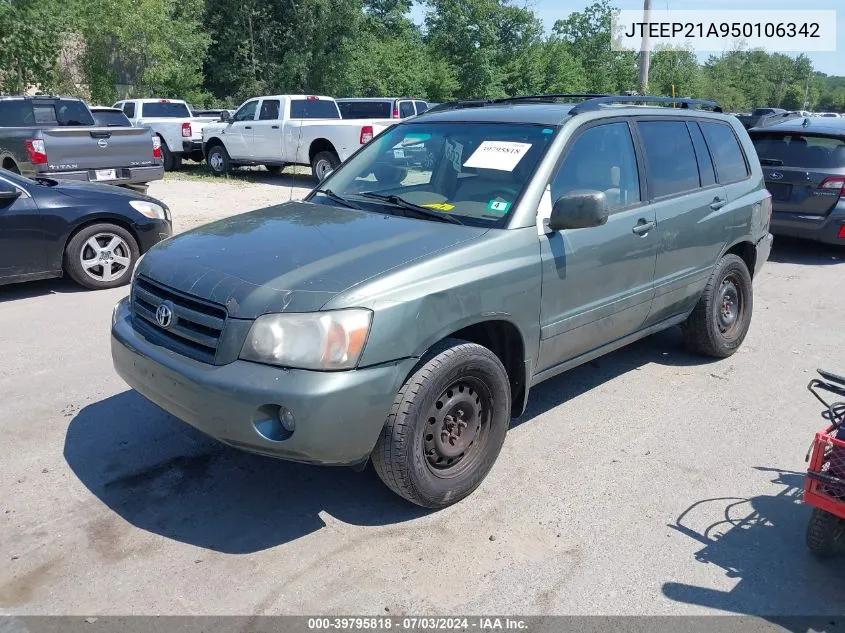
(275, 127)
(718, 203)
(247, 127)
(642, 227)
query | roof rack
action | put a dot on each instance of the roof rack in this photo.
(548, 98)
(597, 102)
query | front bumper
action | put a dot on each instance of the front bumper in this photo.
(151, 232)
(339, 415)
(824, 228)
(190, 146)
(125, 175)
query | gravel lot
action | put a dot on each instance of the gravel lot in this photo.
(110, 506)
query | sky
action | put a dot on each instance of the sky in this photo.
(831, 63)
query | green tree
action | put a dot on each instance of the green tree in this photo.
(31, 36)
(674, 67)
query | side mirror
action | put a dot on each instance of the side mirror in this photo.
(579, 210)
(225, 117)
(8, 193)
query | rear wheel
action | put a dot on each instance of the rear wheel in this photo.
(218, 160)
(171, 161)
(446, 426)
(323, 164)
(720, 320)
(825, 534)
(101, 256)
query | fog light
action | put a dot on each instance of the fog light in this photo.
(287, 419)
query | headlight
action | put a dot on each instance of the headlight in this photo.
(316, 340)
(150, 209)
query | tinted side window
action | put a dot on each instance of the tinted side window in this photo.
(601, 159)
(726, 152)
(422, 106)
(406, 109)
(705, 163)
(129, 109)
(269, 110)
(246, 112)
(313, 109)
(670, 157)
(15, 113)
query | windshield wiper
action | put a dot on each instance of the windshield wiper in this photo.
(771, 161)
(399, 201)
(331, 195)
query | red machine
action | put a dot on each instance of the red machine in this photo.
(824, 487)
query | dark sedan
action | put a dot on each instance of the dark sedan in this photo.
(94, 233)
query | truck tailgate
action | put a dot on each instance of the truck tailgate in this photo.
(78, 148)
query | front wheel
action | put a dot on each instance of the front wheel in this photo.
(721, 318)
(825, 534)
(323, 164)
(218, 160)
(446, 426)
(101, 256)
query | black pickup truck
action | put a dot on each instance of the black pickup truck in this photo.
(57, 137)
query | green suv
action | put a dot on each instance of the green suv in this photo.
(402, 311)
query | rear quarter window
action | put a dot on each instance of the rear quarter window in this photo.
(799, 150)
(726, 152)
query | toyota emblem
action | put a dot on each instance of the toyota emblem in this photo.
(776, 175)
(103, 143)
(164, 315)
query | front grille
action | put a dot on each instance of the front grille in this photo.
(196, 324)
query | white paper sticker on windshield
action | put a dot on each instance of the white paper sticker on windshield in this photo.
(501, 155)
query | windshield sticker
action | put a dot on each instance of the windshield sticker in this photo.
(440, 206)
(498, 205)
(416, 139)
(501, 155)
(453, 153)
(399, 153)
(548, 130)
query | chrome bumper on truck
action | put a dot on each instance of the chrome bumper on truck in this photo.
(337, 416)
(122, 175)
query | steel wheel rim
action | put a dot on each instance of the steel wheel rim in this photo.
(322, 168)
(457, 427)
(216, 161)
(105, 257)
(730, 304)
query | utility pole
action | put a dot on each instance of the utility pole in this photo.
(645, 54)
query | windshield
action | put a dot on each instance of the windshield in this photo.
(166, 110)
(475, 171)
(799, 150)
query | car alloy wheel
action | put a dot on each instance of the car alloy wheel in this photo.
(105, 257)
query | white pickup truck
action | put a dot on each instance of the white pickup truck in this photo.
(173, 122)
(281, 130)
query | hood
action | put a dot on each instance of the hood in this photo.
(87, 190)
(293, 257)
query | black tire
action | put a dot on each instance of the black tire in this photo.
(79, 247)
(825, 534)
(718, 324)
(171, 161)
(274, 170)
(455, 376)
(320, 162)
(218, 160)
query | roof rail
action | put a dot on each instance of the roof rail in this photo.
(597, 102)
(548, 98)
